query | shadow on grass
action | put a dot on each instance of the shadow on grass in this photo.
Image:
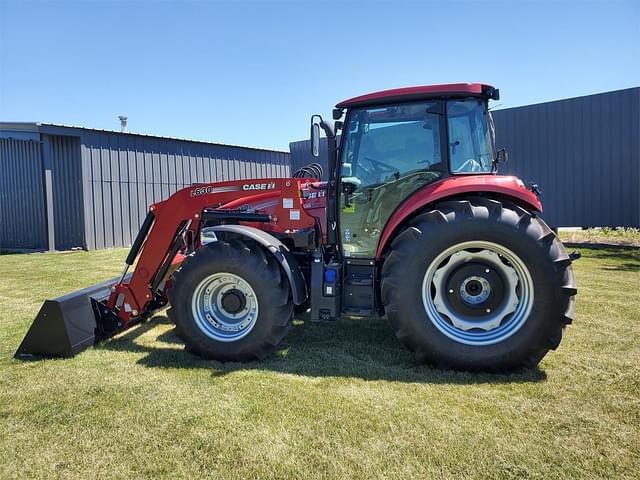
(628, 254)
(615, 259)
(599, 246)
(623, 267)
(365, 349)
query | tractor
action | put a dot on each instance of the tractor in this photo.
(412, 223)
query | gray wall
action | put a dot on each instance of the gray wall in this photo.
(67, 190)
(22, 207)
(124, 174)
(301, 155)
(583, 152)
(103, 182)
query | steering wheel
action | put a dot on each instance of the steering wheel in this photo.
(377, 167)
(470, 165)
(380, 165)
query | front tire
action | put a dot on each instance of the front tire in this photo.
(230, 302)
(478, 284)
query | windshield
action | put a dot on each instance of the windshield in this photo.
(471, 148)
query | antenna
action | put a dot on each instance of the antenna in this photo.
(123, 123)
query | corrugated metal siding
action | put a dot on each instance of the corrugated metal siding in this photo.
(301, 155)
(583, 153)
(67, 191)
(124, 174)
(22, 209)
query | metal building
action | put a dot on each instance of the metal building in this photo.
(63, 187)
(301, 155)
(583, 152)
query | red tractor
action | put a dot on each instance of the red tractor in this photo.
(412, 223)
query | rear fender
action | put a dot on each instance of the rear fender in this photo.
(455, 186)
(281, 253)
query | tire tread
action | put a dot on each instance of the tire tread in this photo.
(276, 304)
(447, 214)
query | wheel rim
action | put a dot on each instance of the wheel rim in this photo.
(225, 307)
(477, 293)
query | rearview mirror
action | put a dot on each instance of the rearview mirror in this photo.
(502, 155)
(315, 135)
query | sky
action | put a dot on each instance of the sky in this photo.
(252, 73)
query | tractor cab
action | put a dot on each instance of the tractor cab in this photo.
(396, 142)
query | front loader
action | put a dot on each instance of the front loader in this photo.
(413, 223)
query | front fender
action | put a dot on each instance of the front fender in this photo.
(507, 186)
(286, 260)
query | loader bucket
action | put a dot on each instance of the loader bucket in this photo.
(67, 325)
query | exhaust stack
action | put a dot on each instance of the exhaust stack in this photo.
(123, 123)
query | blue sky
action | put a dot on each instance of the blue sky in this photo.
(252, 73)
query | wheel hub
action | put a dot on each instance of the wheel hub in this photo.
(225, 307)
(233, 301)
(474, 290)
(477, 293)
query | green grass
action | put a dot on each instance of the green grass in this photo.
(340, 401)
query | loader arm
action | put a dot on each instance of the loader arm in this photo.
(182, 216)
(68, 325)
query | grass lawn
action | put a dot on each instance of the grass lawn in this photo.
(340, 401)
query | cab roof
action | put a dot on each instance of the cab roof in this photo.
(420, 93)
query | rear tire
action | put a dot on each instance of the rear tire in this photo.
(230, 302)
(513, 322)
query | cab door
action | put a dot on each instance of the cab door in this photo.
(388, 153)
